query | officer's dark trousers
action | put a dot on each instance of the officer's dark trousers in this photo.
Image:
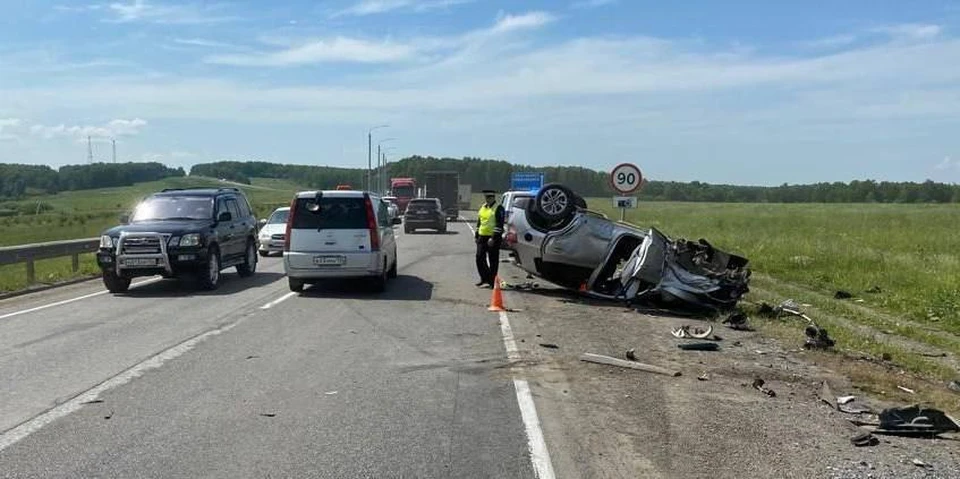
(488, 260)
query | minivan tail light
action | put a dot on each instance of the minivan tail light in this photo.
(372, 224)
(293, 212)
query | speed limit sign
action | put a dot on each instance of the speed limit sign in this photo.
(626, 178)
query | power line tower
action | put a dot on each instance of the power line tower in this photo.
(89, 149)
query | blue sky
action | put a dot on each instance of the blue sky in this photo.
(748, 92)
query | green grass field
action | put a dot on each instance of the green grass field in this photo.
(85, 214)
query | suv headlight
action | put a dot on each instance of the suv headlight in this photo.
(106, 242)
(189, 240)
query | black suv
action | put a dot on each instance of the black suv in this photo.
(424, 213)
(199, 231)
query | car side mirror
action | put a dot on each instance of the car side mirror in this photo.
(261, 224)
(225, 216)
(124, 219)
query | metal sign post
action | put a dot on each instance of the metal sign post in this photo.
(625, 178)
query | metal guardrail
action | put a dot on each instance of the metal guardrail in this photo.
(29, 253)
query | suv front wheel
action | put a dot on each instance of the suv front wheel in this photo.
(114, 283)
(210, 275)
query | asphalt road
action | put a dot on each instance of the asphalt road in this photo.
(253, 381)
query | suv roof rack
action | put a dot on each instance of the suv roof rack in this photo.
(223, 188)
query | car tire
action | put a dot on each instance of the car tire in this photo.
(580, 202)
(114, 283)
(379, 282)
(264, 253)
(296, 285)
(392, 273)
(442, 230)
(210, 276)
(408, 230)
(555, 202)
(249, 265)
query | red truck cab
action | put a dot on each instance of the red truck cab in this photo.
(405, 189)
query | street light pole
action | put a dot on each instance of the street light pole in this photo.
(370, 154)
(383, 166)
(379, 172)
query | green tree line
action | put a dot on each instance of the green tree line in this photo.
(17, 181)
(495, 174)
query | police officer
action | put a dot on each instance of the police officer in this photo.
(488, 236)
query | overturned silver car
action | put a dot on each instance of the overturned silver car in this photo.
(554, 236)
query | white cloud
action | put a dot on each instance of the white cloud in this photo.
(201, 42)
(354, 50)
(948, 163)
(147, 11)
(526, 21)
(911, 31)
(338, 49)
(593, 3)
(6, 125)
(112, 129)
(373, 7)
(833, 41)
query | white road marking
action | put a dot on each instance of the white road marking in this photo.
(539, 455)
(278, 300)
(14, 435)
(467, 222)
(71, 300)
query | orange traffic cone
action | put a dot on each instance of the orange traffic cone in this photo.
(496, 299)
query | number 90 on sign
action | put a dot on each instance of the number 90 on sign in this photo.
(626, 178)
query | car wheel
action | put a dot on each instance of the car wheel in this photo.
(393, 269)
(210, 276)
(580, 202)
(296, 285)
(114, 283)
(264, 253)
(555, 202)
(249, 265)
(379, 283)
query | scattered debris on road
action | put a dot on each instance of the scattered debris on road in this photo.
(697, 333)
(737, 320)
(817, 338)
(601, 359)
(906, 390)
(915, 421)
(919, 463)
(331, 393)
(252, 356)
(268, 414)
(631, 354)
(94, 401)
(758, 384)
(699, 346)
(108, 416)
(549, 346)
(863, 439)
(703, 377)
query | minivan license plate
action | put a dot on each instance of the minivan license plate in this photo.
(328, 260)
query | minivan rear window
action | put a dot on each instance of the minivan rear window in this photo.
(334, 214)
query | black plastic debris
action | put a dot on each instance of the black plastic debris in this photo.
(915, 420)
(864, 439)
(841, 294)
(738, 320)
(699, 346)
(549, 346)
(817, 338)
(631, 354)
(758, 384)
(268, 414)
(874, 290)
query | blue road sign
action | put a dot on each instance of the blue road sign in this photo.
(529, 181)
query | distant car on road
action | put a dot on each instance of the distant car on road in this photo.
(339, 234)
(424, 213)
(272, 231)
(392, 207)
(556, 239)
(175, 232)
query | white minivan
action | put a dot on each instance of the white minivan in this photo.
(339, 234)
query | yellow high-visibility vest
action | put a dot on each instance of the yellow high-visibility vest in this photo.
(488, 220)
